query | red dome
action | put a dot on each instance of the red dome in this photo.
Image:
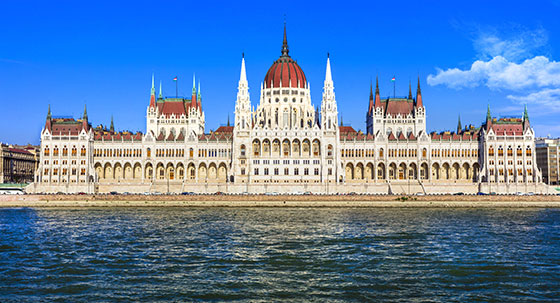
(286, 70)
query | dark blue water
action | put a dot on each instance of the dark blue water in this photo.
(257, 254)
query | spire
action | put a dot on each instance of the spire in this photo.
(419, 95)
(488, 115)
(153, 91)
(49, 116)
(285, 49)
(377, 98)
(199, 98)
(112, 127)
(459, 126)
(193, 85)
(85, 113)
(228, 119)
(341, 120)
(328, 75)
(525, 114)
(153, 94)
(409, 89)
(243, 75)
(370, 109)
(160, 94)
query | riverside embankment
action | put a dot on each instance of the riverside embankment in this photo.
(444, 201)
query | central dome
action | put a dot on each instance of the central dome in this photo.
(285, 72)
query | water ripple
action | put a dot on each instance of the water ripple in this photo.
(289, 254)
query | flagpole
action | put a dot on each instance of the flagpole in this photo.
(394, 90)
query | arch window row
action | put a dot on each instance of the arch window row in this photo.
(509, 151)
(116, 152)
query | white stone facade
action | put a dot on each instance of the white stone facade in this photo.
(287, 145)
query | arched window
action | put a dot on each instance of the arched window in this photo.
(491, 151)
(242, 149)
(149, 152)
(381, 153)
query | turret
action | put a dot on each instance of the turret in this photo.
(526, 123)
(419, 95)
(85, 118)
(459, 126)
(370, 108)
(112, 127)
(199, 98)
(49, 119)
(488, 118)
(329, 112)
(193, 96)
(243, 114)
(410, 90)
(377, 102)
(153, 94)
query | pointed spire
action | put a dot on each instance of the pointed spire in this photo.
(199, 98)
(228, 119)
(193, 85)
(370, 108)
(328, 75)
(525, 114)
(243, 75)
(49, 116)
(285, 49)
(409, 89)
(153, 94)
(85, 113)
(160, 92)
(419, 95)
(488, 115)
(341, 120)
(377, 97)
(112, 127)
(459, 126)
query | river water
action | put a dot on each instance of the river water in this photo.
(279, 254)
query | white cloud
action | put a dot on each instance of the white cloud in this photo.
(499, 73)
(513, 43)
(547, 99)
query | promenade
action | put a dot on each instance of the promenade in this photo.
(440, 201)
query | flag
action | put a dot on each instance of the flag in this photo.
(175, 79)
(393, 80)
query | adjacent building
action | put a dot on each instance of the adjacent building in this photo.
(288, 144)
(18, 163)
(548, 159)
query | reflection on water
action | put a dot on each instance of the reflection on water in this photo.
(258, 254)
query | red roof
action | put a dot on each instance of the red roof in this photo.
(173, 107)
(19, 150)
(225, 129)
(286, 70)
(346, 129)
(508, 129)
(395, 107)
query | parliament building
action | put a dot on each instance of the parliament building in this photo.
(287, 145)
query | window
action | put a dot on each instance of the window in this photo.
(256, 171)
(286, 171)
(316, 171)
(306, 171)
(266, 171)
(491, 151)
(149, 152)
(242, 150)
(296, 171)
(276, 172)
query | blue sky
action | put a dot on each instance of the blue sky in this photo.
(103, 53)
